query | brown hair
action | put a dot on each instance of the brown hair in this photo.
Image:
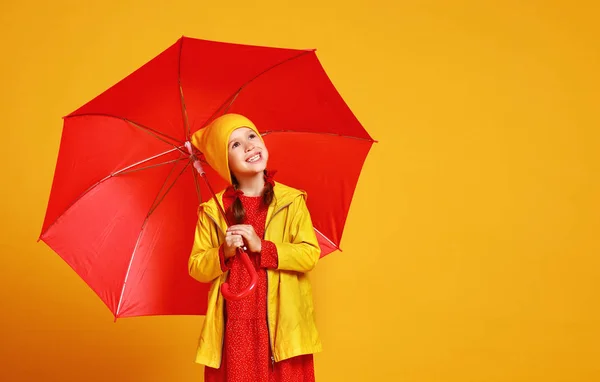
(239, 214)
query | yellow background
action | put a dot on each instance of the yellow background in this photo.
(471, 250)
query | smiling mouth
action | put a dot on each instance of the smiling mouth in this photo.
(254, 158)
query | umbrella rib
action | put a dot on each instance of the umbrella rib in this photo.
(158, 201)
(197, 186)
(234, 96)
(125, 169)
(157, 134)
(154, 204)
(111, 175)
(135, 248)
(151, 166)
(326, 238)
(317, 132)
(144, 223)
(186, 123)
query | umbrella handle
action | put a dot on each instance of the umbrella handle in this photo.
(244, 256)
(250, 288)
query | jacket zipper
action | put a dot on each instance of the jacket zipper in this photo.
(269, 329)
(268, 326)
(275, 213)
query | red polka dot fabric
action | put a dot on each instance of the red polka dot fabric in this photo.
(246, 348)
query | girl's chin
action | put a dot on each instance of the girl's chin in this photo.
(258, 170)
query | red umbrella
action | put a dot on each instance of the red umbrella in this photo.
(122, 209)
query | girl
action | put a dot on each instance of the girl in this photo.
(271, 334)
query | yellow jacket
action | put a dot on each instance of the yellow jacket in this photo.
(290, 314)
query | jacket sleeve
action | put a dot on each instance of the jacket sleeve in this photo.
(205, 263)
(303, 252)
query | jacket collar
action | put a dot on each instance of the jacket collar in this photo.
(282, 196)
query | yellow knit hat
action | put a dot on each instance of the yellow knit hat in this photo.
(212, 141)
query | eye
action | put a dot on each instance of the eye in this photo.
(235, 144)
(252, 136)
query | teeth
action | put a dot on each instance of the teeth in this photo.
(254, 158)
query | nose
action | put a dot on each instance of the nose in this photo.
(249, 146)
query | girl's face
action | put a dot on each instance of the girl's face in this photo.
(247, 153)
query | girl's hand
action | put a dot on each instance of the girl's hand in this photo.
(232, 242)
(252, 240)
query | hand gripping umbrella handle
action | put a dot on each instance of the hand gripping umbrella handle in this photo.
(243, 255)
(253, 279)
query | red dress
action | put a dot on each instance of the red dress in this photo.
(246, 348)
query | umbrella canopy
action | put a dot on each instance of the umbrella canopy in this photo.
(122, 209)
